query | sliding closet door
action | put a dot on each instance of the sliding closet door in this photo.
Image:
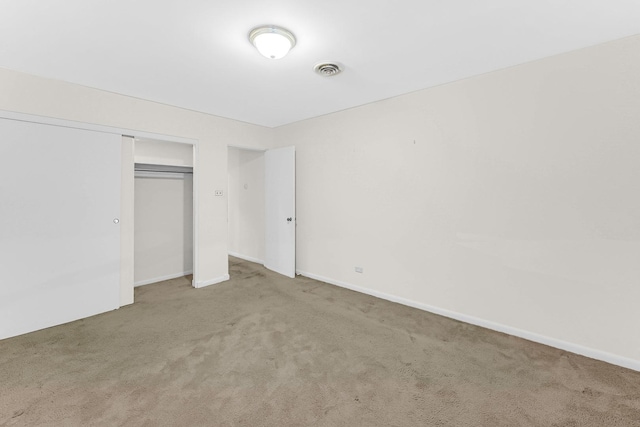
(59, 234)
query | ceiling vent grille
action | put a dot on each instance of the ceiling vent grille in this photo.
(328, 69)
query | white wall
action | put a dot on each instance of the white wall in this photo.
(246, 204)
(163, 228)
(510, 199)
(34, 95)
(163, 152)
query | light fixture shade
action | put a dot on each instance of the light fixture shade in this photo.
(271, 41)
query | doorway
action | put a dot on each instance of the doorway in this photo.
(261, 203)
(246, 204)
(163, 211)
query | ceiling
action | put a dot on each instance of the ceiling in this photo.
(196, 54)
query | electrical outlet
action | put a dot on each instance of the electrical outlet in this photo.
(218, 193)
(359, 270)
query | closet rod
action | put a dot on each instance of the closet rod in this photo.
(162, 171)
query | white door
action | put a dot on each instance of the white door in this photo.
(280, 210)
(59, 237)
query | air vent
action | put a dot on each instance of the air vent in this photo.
(328, 69)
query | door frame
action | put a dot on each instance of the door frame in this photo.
(264, 260)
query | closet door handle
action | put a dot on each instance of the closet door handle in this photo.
(289, 219)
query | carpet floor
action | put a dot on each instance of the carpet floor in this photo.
(264, 350)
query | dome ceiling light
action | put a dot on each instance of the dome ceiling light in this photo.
(271, 41)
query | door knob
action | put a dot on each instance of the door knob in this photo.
(289, 219)
(116, 220)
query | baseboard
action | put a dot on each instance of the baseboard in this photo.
(211, 282)
(530, 336)
(161, 279)
(246, 257)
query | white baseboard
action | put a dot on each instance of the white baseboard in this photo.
(160, 279)
(211, 282)
(530, 336)
(246, 258)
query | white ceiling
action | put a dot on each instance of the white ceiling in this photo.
(195, 53)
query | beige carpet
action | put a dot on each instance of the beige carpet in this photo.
(262, 350)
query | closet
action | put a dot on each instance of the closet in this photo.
(67, 243)
(163, 211)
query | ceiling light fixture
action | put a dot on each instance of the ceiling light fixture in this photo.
(271, 41)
